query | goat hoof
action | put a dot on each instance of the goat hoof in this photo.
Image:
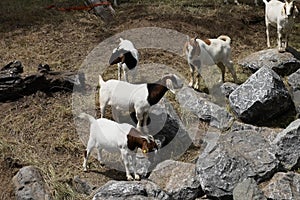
(137, 177)
(130, 178)
(191, 84)
(85, 170)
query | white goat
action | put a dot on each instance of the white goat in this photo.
(218, 49)
(237, 3)
(281, 15)
(136, 98)
(115, 137)
(126, 57)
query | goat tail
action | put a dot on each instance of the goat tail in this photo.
(101, 81)
(87, 116)
(225, 38)
(265, 1)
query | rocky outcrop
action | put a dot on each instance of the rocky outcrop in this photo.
(248, 190)
(282, 63)
(177, 179)
(262, 97)
(294, 83)
(232, 158)
(123, 190)
(282, 186)
(287, 146)
(204, 109)
(29, 184)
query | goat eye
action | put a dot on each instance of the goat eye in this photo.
(144, 151)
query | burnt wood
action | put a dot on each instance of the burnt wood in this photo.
(15, 85)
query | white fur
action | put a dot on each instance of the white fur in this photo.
(111, 136)
(279, 14)
(219, 51)
(125, 96)
(128, 46)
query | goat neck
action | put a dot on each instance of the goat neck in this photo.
(156, 91)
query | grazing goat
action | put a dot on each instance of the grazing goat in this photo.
(281, 15)
(219, 51)
(136, 98)
(237, 3)
(126, 57)
(115, 137)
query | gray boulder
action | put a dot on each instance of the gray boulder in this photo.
(177, 179)
(294, 82)
(282, 63)
(229, 159)
(262, 97)
(122, 190)
(282, 186)
(287, 146)
(269, 134)
(204, 109)
(248, 190)
(29, 184)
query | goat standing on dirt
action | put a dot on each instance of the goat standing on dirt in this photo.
(126, 57)
(281, 15)
(218, 49)
(115, 137)
(136, 98)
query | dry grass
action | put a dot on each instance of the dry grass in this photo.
(38, 129)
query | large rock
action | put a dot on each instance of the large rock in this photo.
(282, 63)
(262, 97)
(204, 109)
(287, 146)
(123, 190)
(231, 158)
(294, 82)
(282, 186)
(269, 134)
(177, 179)
(29, 184)
(248, 190)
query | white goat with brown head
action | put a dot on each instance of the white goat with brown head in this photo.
(280, 15)
(135, 98)
(126, 56)
(218, 50)
(115, 137)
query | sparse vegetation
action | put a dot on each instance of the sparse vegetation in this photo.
(38, 129)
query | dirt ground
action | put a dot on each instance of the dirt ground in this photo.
(38, 129)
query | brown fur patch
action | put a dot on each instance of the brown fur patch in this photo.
(134, 141)
(207, 41)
